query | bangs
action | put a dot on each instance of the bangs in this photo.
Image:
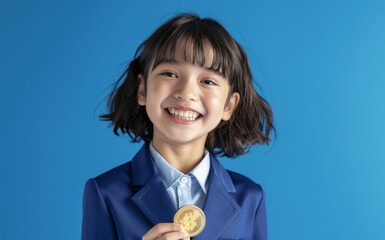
(196, 40)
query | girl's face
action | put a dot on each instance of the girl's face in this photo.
(185, 101)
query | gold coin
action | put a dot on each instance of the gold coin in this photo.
(191, 218)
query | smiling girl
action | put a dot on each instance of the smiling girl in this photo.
(188, 94)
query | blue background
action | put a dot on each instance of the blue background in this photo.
(320, 65)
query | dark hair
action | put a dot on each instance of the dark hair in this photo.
(250, 123)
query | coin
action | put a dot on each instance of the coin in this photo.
(191, 218)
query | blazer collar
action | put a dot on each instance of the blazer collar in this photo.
(154, 201)
(221, 174)
(142, 167)
(143, 160)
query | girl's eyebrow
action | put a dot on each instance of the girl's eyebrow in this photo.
(175, 62)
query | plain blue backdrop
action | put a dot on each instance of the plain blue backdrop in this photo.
(321, 65)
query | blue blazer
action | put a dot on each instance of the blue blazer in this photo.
(125, 202)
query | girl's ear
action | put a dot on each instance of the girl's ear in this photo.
(230, 107)
(141, 91)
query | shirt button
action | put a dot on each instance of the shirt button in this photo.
(184, 179)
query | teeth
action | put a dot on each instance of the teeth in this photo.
(185, 115)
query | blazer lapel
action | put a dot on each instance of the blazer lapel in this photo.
(220, 208)
(152, 198)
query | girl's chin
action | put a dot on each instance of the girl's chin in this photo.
(184, 140)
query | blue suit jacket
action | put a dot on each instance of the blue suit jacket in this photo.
(125, 202)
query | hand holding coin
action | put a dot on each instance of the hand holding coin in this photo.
(166, 231)
(191, 218)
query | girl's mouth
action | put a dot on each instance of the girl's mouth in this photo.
(183, 114)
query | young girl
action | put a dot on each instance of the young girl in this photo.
(188, 94)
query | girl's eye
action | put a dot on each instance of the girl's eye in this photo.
(209, 82)
(169, 74)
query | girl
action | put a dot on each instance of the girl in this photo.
(188, 94)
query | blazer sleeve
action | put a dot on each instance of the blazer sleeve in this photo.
(97, 221)
(260, 228)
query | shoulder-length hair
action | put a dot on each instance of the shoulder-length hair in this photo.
(252, 120)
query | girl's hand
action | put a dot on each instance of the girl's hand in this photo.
(166, 231)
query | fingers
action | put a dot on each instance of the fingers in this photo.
(166, 231)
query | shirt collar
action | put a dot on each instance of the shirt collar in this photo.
(170, 175)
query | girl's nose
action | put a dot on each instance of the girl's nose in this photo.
(186, 91)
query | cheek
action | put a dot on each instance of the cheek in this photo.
(216, 101)
(155, 93)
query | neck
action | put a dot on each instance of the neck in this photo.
(184, 157)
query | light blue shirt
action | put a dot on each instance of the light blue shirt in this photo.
(184, 189)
